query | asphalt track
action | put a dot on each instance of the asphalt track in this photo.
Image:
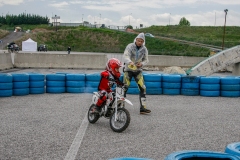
(54, 126)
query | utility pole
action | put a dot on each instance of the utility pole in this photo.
(169, 18)
(82, 18)
(226, 10)
(129, 18)
(100, 19)
(215, 20)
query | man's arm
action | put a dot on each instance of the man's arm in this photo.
(126, 55)
(145, 58)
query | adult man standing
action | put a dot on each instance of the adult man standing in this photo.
(135, 57)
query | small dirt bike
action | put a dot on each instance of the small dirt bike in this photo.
(114, 109)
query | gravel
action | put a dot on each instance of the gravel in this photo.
(44, 126)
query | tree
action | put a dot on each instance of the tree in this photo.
(129, 27)
(184, 22)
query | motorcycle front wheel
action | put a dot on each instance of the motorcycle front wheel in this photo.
(122, 120)
(92, 115)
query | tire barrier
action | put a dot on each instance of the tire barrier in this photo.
(230, 86)
(55, 83)
(36, 83)
(210, 86)
(233, 148)
(190, 85)
(6, 85)
(200, 155)
(92, 81)
(171, 84)
(75, 83)
(129, 158)
(153, 83)
(20, 84)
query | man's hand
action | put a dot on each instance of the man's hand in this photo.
(139, 65)
(131, 63)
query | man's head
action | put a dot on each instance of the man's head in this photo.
(140, 40)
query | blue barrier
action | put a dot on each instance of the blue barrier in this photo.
(200, 155)
(156, 84)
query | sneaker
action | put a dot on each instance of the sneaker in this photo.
(144, 110)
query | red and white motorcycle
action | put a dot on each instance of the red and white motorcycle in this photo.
(114, 109)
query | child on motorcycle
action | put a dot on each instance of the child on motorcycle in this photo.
(107, 77)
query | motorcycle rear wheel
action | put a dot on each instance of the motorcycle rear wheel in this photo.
(122, 122)
(93, 116)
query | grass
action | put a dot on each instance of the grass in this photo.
(202, 34)
(3, 33)
(84, 39)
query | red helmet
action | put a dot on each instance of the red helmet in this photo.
(113, 66)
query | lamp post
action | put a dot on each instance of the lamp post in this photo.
(82, 18)
(169, 18)
(226, 10)
(100, 18)
(129, 18)
(56, 21)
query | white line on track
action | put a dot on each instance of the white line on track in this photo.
(72, 152)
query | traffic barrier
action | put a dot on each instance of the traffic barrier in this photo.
(92, 81)
(210, 86)
(233, 148)
(75, 83)
(156, 84)
(171, 84)
(230, 86)
(190, 85)
(36, 83)
(129, 158)
(153, 83)
(20, 84)
(200, 155)
(55, 83)
(6, 85)
(6, 61)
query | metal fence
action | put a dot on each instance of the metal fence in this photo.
(86, 24)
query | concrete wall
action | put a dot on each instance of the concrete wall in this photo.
(93, 61)
(217, 62)
(5, 61)
(236, 69)
(29, 60)
(167, 61)
(86, 61)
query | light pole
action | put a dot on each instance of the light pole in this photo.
(82, 18)
(226, 10)
(56, 21)
(215, 20)
(129, 18)
(169, 18)
(100, 18)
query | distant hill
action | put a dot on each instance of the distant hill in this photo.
(85, 39)
(202, 34)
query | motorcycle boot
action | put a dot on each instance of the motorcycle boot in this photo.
(143, 109)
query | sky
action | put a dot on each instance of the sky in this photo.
(130, 12)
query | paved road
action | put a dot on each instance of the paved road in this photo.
(54, 126)
(13, 36)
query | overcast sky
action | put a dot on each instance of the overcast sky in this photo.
(133, 12)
